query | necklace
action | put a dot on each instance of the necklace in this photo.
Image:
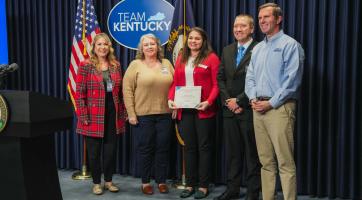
(104, 66)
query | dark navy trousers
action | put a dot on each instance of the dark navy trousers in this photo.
(153, 133)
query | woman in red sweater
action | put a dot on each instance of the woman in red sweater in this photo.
(197, 66)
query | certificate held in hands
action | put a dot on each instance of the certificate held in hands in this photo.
(187, 96)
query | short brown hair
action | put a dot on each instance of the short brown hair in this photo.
(277, 11)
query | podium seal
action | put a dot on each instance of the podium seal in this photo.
(4, 113)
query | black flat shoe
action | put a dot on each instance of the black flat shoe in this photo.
(200, 194)
(229, 195)
(187, 193)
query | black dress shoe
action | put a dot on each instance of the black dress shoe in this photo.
(228, 195)
(252, 196)
(187, 193)
(200, 194)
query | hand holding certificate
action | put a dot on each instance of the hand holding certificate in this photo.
(187, 96)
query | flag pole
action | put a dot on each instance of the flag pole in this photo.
(84, 173)
(182, 185)
(184, 35)
(83, 30)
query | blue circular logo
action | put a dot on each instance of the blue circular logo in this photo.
(130, 19)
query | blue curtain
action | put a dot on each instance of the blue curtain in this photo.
(329, 123)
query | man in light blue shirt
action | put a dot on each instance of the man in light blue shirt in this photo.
(272, 83)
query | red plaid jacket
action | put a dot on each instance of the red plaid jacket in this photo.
(90, 100)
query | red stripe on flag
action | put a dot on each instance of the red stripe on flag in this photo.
(77, 52)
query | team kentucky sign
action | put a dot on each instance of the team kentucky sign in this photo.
(130, 19)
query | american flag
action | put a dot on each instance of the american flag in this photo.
(86, 27)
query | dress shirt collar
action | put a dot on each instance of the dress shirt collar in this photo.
(274, 37)
(245, 45)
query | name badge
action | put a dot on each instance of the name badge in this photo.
(203, 66)
(164, 70)
(109, 85)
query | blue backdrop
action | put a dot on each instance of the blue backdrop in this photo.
(329, 123)
(3, 36)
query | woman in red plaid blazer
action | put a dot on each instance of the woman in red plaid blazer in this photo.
(100, 109)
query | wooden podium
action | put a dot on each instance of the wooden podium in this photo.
(27, 154)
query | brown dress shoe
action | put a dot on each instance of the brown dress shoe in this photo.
(163, 188)
(147, 189)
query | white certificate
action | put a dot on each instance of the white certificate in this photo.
(187, 96)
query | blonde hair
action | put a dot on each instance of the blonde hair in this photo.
(111, 58)
(141, 55)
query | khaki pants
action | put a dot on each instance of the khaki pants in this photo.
(275, 144)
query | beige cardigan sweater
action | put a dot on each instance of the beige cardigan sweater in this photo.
(145, 90)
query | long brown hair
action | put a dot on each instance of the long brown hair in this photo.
(205, 49)
(111, 58)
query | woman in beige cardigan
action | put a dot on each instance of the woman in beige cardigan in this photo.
(145, 88)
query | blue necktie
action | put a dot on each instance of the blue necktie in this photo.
(240, 55)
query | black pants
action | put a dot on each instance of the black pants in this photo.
(107, 145)
(197, 135)
(153, 133)
(240, 143)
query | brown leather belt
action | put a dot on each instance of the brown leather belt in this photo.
(268, 98)
(263, 98)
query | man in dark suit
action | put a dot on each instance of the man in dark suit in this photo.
(237, 113)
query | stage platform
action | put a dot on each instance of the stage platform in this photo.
(129, 190)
